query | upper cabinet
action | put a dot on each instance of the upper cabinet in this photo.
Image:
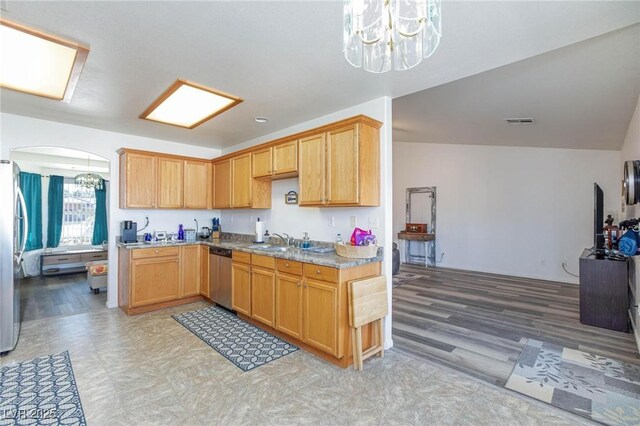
(279, 161)
(234, 186)
(137, 180)
(336, 165)
(150, 180)
(341, 167)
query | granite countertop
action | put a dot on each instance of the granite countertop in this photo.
(330, 259)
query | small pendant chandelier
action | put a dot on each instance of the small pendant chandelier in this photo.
(89, 180)
(379, 32)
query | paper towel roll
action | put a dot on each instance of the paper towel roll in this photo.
(259, 231)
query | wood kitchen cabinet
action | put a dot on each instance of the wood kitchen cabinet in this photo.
(341, 166)
(152, 180)
(320, 305)
(197, 184)
(205, 289)
(241, 288)
(263, 295)
(241, 181)
(222, 185)
(137, 180)
(277, 162)
(289, 304)
(190, 270)
(158, 277)
(170, 183)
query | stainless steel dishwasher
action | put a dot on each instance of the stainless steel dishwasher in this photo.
(220, 276)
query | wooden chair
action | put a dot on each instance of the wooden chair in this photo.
(368, 302)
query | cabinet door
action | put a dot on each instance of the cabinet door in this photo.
(311, 165)
(154, 280)
(138, 185)
(285, 158)
(320, 304)
(263, 295)
(289, 305)
(205, 290)
(170, 183)
(342, 166)
(262, 163)
(241, 288)
(222, 185)
(190, 265)
(241, 181)
(196, 184)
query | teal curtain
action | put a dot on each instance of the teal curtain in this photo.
(54, 220)
(31, 186)
(100, 233)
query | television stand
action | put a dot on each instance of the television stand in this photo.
(604, 292)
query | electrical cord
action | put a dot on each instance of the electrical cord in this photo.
(146, 225)
(564, 264)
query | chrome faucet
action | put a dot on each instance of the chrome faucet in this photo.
(286, 241)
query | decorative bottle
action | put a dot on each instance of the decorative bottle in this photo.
(180, 233)
(306, 242)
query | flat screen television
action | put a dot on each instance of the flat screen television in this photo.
(598, 221)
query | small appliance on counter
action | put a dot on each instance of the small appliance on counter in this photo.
(205, 232)
(128, 231)
(189, 235)
(216, 230)
(160, 235)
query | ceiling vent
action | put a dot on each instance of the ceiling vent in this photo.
(519, 120)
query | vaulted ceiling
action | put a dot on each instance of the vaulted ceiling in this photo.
(285, 60)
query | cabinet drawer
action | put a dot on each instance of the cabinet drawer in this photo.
(318, 272)
(63, 258)
(289, 266)
(264, 261)
(240, 256)
(91, 257)
(155, 252)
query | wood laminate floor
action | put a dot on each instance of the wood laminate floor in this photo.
(478, 323)
(47, 297)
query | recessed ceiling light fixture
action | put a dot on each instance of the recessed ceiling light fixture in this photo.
(186, 104)
(38, 63)
(261, 120)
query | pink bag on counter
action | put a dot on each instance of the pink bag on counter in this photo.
(360, 237)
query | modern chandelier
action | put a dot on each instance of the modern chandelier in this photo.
(379, 32)
(89, 180)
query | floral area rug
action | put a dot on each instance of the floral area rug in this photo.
(592, 386)
(403, 278)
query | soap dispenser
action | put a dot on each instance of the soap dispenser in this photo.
(306, 242)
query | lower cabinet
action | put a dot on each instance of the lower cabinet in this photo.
(320, 307)
(263, 295)
(241, 288)
(190, 274)
(205, 289)
(289, 305)
(154, 280)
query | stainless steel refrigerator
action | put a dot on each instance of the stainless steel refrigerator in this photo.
(13, 223)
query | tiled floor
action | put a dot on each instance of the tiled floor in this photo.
(148, 369)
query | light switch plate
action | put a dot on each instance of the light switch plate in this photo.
(354, 221)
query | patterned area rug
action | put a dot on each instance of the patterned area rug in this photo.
(41, 391)
(403, 277)
(242, 343)
(592, 386)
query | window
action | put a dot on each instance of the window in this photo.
(78, 214)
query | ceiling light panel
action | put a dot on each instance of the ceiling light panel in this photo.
(188, 105)
(39, 64)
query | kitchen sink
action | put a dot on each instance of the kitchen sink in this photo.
(270, 248)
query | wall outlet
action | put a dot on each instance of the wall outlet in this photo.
(332, 222)
(354, 221)
(232, 217)
(251, 219)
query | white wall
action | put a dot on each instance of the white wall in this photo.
(18, 132)
(295, 220)
(631, 151)
(506, 210)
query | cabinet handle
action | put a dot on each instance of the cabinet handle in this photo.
(153, 204)
(318, 271)
(298, 284)
(286, 265)
(156, 251)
